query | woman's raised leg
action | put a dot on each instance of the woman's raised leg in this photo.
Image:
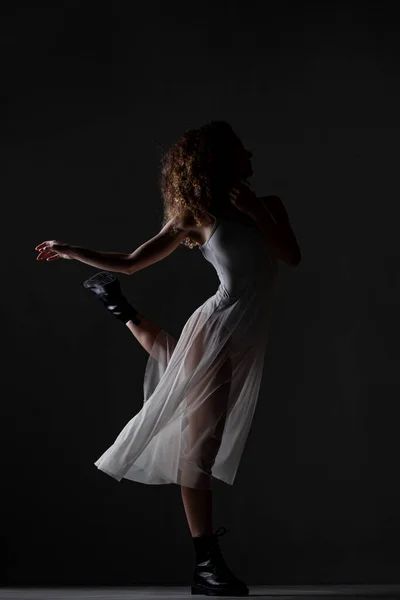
(145, 333)
(107, 288)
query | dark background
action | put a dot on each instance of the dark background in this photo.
(91, 95)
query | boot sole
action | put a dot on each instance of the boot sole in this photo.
(203, 591)
(102, 278)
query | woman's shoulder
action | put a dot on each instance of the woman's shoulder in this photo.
(188, 222)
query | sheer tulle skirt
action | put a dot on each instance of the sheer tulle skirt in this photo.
(200, 393)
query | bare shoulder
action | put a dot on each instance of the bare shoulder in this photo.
(186, 221)
(174, 229)
(196, 233)
(182, 226)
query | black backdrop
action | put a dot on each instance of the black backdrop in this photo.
(91, 94)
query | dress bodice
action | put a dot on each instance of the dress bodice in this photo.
(239, 254)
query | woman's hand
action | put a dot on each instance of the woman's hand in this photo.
(53, 249)
(243, 197)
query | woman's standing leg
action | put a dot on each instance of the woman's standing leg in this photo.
(207, 402)
(197, 502)
(198, 505)
(206, 425)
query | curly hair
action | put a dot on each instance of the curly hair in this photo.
(196, 171)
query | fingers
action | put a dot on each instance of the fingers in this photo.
(53, 257)
(47, 251)
(240, 188)
(42, 245)
(46, 254)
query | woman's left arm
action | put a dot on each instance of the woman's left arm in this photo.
(108, 261)
(153, 250)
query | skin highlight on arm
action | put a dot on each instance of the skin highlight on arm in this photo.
(109, 261)
(153, 250)
(156, 248)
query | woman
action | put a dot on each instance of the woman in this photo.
(200, 390)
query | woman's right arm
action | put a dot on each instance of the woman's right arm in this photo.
(276, 208)
(272, 209)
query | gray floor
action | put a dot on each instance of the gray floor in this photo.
(171, 593)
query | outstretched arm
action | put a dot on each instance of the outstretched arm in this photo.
(109, 261)
(154, 250)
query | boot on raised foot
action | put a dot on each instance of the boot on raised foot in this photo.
(107, 288)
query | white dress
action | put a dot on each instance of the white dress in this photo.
(201, 390)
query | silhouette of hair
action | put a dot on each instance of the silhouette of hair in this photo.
(196, 171)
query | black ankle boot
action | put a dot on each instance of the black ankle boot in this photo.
(212, 576)
(107, 287)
